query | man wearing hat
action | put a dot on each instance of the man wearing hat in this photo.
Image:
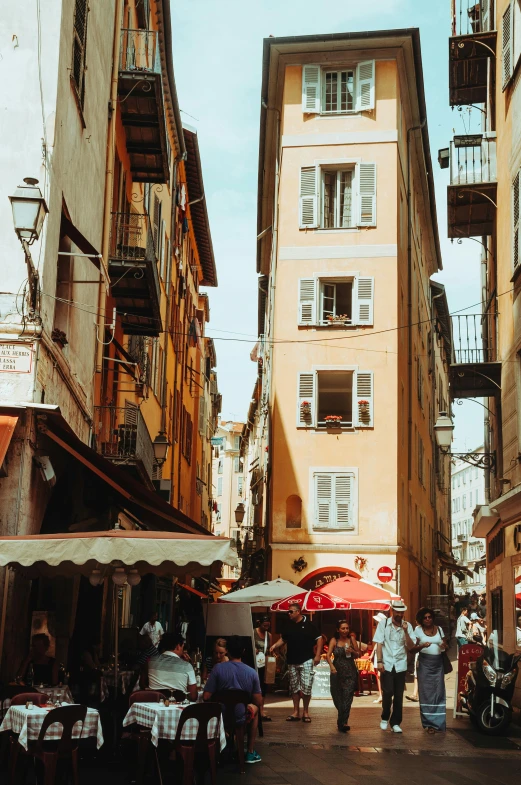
(393, 638)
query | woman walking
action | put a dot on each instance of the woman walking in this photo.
(431, 644)
(342, 650)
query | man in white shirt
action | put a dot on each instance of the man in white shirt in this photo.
(393, 638)
(171, 670)
(462, 626)
(154, 629)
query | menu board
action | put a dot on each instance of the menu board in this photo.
(321, 681)
(469, 652)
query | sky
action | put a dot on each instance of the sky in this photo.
(217, 61)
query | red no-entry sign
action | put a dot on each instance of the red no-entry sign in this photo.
(385, 574)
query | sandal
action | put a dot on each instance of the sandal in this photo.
(266, 718)
(291, 718)
(306, 719)
(430, 731)
(410, 698)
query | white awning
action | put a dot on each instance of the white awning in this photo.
(262, 594)
(161, 553)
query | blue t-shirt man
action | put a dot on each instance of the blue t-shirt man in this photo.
(233, 675)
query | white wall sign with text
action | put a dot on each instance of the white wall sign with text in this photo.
(16, 357)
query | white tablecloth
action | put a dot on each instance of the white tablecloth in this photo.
(27, 723)
(52, 692)
(163, 722)
(124, 679)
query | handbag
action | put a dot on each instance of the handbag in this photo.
(447, 664)
(260, 657)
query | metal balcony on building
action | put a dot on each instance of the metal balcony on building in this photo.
(471, 46)
(140, 96)
(475, 371)
(472, 192)
(133, 274)
(122, 437)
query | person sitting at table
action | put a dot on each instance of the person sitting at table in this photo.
(236, 675)
(45, 668)
(219, 654)
(172, 669)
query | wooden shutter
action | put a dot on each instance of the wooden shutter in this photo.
(486, 18)
(79, 46)
(306, 301)
(161, 251)
(323, 500)
(364, 301)
(367, 194)
(131, 414)
(364, 392)
(516, 239)
(306, 392)
(343, 502)
(201, 414)
(308, 206)
(508, 44)
(156, 225)
(365, 86)
(311, 89)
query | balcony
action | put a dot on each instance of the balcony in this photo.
(471, 46)
(133, 274)
(140, 97)
(462, 538)
(123, 438)
(474, 371)
(472, 192)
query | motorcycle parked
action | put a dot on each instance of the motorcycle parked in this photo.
(489, 688)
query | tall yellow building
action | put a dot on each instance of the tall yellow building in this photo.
(355, 337)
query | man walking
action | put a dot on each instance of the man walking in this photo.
(393, 638)
(153, 628)
(300, 639)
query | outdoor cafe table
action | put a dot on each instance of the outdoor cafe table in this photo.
(163, 721)
(27, 723)
(63, 693)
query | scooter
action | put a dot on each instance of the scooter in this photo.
(489, 687)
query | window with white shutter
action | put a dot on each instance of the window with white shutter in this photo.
(306, 301)
(311, 89)
(333, 501)
(240, 484)
(487, 22)
(345, 301)
(202, 412)
(365, 399)
(516, 239)
(306, 400)
(508, 44)
(308, 197)
(330, 91)
(367, 194)
(365, 86)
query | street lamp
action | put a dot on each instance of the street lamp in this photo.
(239, 513)
(443, 430)
(161, 445)
(29, 210)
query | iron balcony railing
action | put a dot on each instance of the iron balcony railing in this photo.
(473, 160)
(139, 51)
(138, 350)
(474, 338)
(122, 436)
(129, 236)
(472, 16)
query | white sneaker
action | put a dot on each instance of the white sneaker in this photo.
(397, 729)
(384, 724)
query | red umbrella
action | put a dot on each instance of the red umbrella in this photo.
(360, 594)
(312, 601)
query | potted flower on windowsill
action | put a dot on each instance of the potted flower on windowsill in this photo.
(364, 411)
(333, 421)
(340, 318)
(305, 410)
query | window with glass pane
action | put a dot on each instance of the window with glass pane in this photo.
(337, 199)
(336, 301)
(338, 91)
(335, 398)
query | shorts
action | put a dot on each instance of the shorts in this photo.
(301, 678)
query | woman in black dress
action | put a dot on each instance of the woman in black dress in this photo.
(341, 654)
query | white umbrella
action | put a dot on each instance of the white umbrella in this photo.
(262, 593)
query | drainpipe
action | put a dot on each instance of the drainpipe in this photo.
(409, 294)
(109, 184)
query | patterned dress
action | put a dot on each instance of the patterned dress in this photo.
(343, 683)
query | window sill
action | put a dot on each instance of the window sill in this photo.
(334, 529)
(338, 230)
(333, 325)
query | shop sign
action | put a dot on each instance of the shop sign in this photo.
(321, 680)
(323, 577)
(16, 357)
(469, 652)
(217, 441)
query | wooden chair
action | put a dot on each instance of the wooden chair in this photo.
(230, 699)
(38, 698)
(202, 747)
(365, 680)
(49, 752)
(140, 735)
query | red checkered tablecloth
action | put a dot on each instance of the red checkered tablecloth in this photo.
(163, 722)
(27, 723)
